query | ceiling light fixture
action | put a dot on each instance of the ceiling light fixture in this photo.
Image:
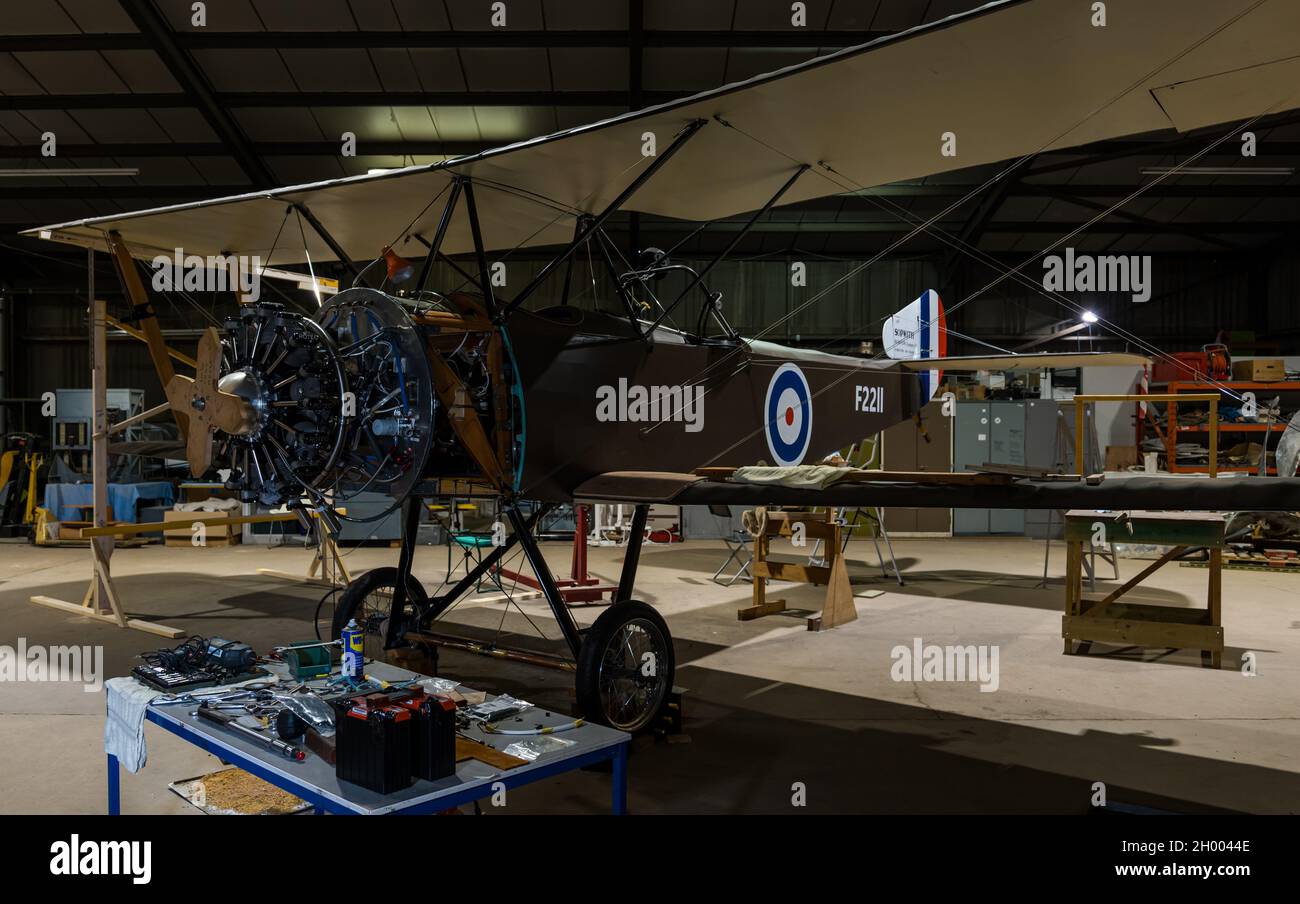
(66, 171)
(1217, 171)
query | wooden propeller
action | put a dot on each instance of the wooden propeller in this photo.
(208, 408)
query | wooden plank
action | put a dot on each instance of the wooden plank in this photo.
(1162, 528)
(1216, 587)
(815, 530)
(136, 623)
(839, 608)
(789, 515)
(1127, 632)
(1073, 576)
(771, 607)
(157, 526)
(1142, 575)
(993, 467)
(1155, 612)
(473, 750)
(1144, 515)
(1152, 397)
(791, 571)
(103, 583)
(132, 331)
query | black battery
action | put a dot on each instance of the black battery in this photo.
(373, 743)
(433, 734)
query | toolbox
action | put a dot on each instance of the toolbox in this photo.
(373, 743)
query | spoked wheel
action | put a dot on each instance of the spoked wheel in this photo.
(625, 667)
(369, 599)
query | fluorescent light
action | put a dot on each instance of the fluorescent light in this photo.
(32, 172)
(1217, 171)
(46, 234)
(379, 171)
(1089, 317)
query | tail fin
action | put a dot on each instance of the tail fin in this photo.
(919, 332)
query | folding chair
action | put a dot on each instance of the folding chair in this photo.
(738, 547)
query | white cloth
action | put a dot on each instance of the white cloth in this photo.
(211, 504)
(808, 477)
(124, 728)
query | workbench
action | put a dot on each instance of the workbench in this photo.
(1106, 620)
(314, 781)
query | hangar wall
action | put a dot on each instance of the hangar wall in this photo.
(1193, 298)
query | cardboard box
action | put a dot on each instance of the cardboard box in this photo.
(71, 530)
(1121, 458)
(214, 534)
(1259, 370)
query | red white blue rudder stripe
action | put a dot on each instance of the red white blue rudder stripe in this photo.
(919, 332)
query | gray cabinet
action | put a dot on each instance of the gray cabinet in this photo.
(989, 431)
(1041, 418)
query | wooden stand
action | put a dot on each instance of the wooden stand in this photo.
(838, 608)
(326, 566)
(1107, 621)
(100, 601)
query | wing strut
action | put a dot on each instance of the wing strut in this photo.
(436, 245)
(731, 246)
(599, 220)
(480, 253)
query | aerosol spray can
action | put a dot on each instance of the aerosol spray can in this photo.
(354, 645)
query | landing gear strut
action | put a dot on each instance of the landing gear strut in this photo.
(625, 661)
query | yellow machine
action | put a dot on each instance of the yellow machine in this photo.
(20, 467)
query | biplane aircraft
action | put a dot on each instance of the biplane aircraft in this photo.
(427, 392)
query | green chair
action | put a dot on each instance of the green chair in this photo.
(472, 545)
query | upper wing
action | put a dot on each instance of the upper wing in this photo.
(1029, 362)
(1008, 79)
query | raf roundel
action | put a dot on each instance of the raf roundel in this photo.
(788, 415)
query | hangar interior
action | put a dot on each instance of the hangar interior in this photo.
(159, 111)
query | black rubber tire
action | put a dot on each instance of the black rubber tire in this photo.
(360, 588)
(591, 656)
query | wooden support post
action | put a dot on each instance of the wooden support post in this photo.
(101, 547)
(761, 605)
(838, 608)
(1214, 436)
(1215, 601)
(326, 566)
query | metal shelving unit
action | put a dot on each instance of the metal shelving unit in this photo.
(1215, 430)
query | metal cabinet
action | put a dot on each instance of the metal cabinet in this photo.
(989, 431)
(1043, 450)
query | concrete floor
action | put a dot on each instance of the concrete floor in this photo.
(768, 703)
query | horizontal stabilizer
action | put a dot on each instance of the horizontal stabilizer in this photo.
(1034, 362)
